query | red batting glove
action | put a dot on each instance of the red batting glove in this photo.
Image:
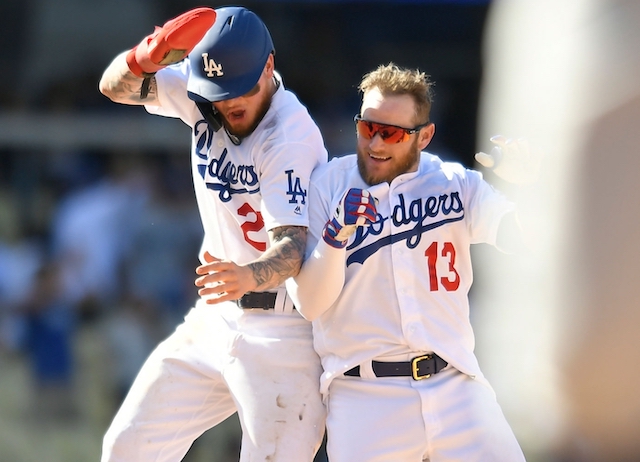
(170, 43)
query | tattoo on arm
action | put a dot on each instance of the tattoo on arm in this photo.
(127, 90)
(283, 260)
(120, 85)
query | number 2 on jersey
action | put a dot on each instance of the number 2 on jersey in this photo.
(252, 226)
(450, 282)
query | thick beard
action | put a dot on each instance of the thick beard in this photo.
(403, 167)
(262, 110)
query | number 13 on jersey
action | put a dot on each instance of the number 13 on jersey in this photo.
(449, 281)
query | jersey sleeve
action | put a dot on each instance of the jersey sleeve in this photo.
(290, 148)
(329, 183)
(172, 94)
(487, 206)
(318, 213)
(285, 172)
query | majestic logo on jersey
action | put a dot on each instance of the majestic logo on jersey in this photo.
(295, 191)
(211, 67)
(447, 208)
(228, 178)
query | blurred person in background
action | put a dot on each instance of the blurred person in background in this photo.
(50, 327)
(157, 271)
(91, 231)
(166, 237)
(566, 75)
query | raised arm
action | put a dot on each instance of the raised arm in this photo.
(122, 86)
(129, 78)
(517, 162)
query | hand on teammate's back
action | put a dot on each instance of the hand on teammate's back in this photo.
(223, 280)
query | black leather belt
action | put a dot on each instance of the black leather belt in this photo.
(264, 300)
(421, 367)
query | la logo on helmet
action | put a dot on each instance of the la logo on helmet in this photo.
(211, 67)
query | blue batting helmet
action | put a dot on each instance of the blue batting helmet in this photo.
(230, 58)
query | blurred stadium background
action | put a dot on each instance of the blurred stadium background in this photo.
(99, 231)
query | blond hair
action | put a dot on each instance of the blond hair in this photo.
(392, 80)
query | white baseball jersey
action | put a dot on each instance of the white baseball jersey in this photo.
(245, 190)
(408, 275)
(224, 359)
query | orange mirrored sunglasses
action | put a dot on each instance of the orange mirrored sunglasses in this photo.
(390, 134)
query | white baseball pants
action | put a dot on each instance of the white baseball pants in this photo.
(446, 418)
(258, 363)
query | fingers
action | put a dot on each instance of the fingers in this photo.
(218, 286)
(210, 258)
(499, 140)
(170, 43)
(512, 159)
(494, 157)
(368, 213)
(220, 280)
(485, 159)
(210, 265)
(356, 208)
(361, 205)
(216, 272)
(219, 292)
(186, 30)
(212, 272)
(365, 211)
(208, 279)
(518, 145)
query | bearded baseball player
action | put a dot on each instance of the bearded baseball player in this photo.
(245, 348)
(389, 244)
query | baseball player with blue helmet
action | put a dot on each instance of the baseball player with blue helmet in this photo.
(243, 348)
(389, 243)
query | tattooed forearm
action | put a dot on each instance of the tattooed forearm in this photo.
(120, 85)
(128, 90)
(283, 260)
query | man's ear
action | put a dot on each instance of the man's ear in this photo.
(426, 135)
(269, 67)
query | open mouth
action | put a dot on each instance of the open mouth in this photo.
(235, 115)
(378, 158)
